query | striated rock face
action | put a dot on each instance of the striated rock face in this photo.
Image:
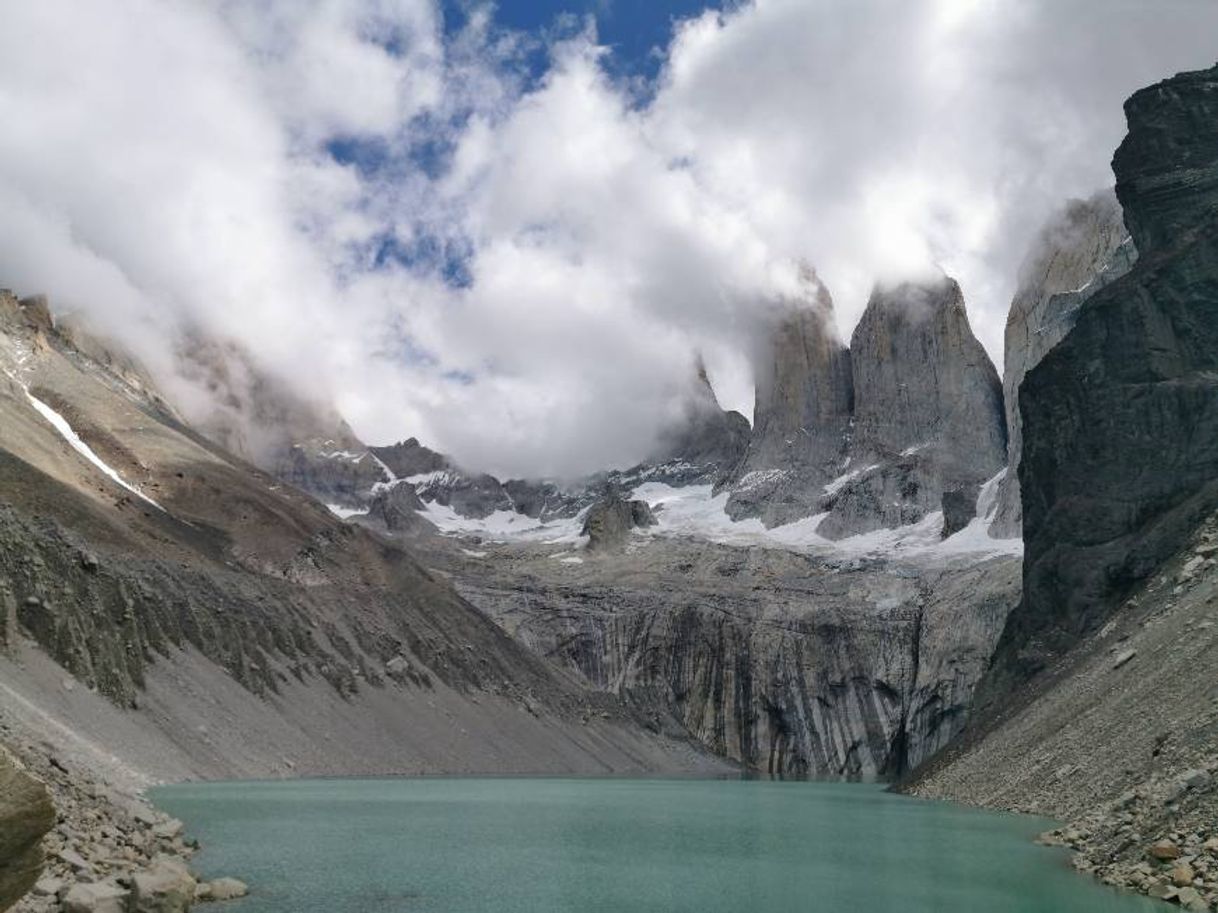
(1083, 249)
(928, 414)
(804, 401)
(26, 814)
(786, 663)
(1120, 419)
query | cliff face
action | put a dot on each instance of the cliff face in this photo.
(928, 414)
(804, 399)
(1120, 420)
(1083, 249)
(787, 663)
(26, 814)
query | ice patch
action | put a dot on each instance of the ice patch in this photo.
(473, 554)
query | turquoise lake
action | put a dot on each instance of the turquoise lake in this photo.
(621, 845)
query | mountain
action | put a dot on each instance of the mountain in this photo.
(154, 566)
(1098, 704)
(804, 399)
(1082, 249)
(927, 411)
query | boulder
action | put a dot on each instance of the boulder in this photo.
(1164, 850)
(97, 897)
(609, 522)
(164, 887)
(227, 889)
(26, 814)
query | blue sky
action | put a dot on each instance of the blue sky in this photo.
(634, 29)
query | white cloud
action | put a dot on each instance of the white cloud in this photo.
(166, 165)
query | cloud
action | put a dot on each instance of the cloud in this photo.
(519, 266)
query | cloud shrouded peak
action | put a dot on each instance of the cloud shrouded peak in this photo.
(517, 263)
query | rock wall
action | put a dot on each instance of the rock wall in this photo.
(1120, 419)
(928, 413)
(804, 400)
(787, 663)
(1081, 250)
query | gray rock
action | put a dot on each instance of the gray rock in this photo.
(928, 413)
(98, 897)
(1084, 248)
(26, 814)
(804, 399)
(227, 889)
(164, 887)
(706, 441)
(1120, 419)
(959, 509)
(610, 522)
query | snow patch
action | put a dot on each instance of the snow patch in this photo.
(695, 512)
(346, 513)
(841, 481)
(60, 424)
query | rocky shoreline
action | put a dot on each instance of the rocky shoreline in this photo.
(109, 852)
(1160, 839)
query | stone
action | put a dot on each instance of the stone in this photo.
(166, 886)
(610, 521)
(1191, 899)
(1123, 658)
(1165, 850)
(959, 509)
(96, 897)
(1211, 846)
(168, 830)
(49, 887)
(227, 889)
(26, 814)
(1182, 874)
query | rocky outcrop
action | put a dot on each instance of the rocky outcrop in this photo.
(609, 523)
(705, 442)
(1084, 248)
(1120, 419)
(928, 413)
(26, 814)
(804, 400)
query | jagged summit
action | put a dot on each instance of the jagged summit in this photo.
(706, 435)
(928, 416)
(804, 399)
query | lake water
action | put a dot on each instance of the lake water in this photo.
(620, 846)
